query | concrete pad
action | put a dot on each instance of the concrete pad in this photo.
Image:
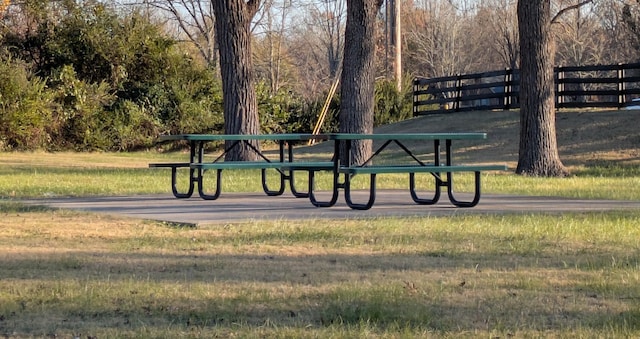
(243, 207)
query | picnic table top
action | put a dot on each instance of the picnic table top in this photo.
(408, 136)
(329, 136)
(240, 137)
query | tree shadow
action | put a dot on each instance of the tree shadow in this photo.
(9, 206)
(440, 290)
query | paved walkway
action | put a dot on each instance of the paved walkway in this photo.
(241, 207)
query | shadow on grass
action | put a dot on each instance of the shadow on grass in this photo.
(153, 281)
(7, 206)
(609, 169)
(432, 291)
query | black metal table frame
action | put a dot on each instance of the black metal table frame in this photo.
(197, 151)
(343, 142)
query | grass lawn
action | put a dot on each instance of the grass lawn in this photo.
(574, 275)
(39, 175)
(65, 273)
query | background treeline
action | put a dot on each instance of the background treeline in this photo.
(91, 78)
(112, 75)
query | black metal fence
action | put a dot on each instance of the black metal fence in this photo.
(608, 86)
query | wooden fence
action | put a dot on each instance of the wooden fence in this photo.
(608, 86)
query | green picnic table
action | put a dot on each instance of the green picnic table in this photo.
(436, 166)
(341, 166)
(284, 163)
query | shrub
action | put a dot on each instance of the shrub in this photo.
(25, 107)
(195, 100)
(80, 121)
(391, 105)
(101, 81)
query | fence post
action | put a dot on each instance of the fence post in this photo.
(508, 78)
(415, 97)
(456, 104)
(559, 87)
(621, 86)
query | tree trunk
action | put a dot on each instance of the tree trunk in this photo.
(538, 150)
(358, 74)
(232, 19)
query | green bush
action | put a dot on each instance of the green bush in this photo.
(277, 111)
(101, 81)
(133, 126)
(80, 121)
(25, 107)
(391, 105)
(196, 101)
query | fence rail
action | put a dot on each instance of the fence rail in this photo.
(608, 86)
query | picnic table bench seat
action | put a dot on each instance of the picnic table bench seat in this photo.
(380, 169)
(221, 165)
(169, 164)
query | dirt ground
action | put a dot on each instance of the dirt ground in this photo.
(583, 137)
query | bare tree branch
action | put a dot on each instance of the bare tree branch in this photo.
(195, 20)
(569, 8)
(252, 7)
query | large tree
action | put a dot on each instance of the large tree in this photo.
(631, 23)
(538, 150)
(358, 73)
(233, 25)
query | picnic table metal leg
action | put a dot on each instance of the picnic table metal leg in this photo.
(201, 190)
(290, 176)
(292, 187)
(336, 185)
(372, 193)
(174, 184)
(449, 183)
(312, 195)
(347, 181)
(195, 154)
(281, 174)
(459, 203)
(265, 186)
(425, 201)
(438, 180)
